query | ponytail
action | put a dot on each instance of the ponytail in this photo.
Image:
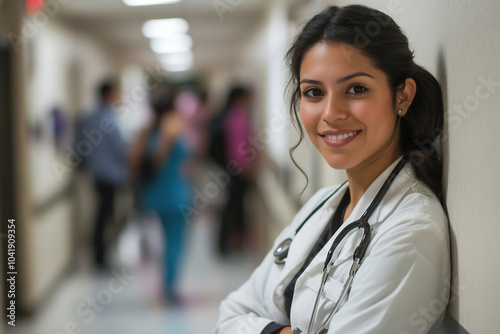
(422, 129)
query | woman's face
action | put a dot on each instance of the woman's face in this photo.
(346, 107)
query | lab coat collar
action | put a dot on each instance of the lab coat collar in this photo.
(399, 186)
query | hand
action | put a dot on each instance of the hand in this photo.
(284, 330)
(171, 126)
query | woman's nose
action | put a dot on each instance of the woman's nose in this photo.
(333, 110)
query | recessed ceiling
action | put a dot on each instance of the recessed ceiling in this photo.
(215, 33)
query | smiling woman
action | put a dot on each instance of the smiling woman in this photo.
(338, 107)
(362, 257)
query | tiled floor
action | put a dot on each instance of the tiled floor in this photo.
(97, 304)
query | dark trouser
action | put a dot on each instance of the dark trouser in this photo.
(233, 222)
(106, 197)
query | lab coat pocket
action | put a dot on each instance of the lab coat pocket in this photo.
(310, 286)
(331, 291)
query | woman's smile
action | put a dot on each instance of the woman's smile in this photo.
(339, 138)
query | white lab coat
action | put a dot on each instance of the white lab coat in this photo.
(401, 287)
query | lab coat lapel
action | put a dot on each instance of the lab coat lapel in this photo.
(403, 183)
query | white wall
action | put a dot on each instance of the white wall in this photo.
(60, 60)
(458, 42)
(63, 68)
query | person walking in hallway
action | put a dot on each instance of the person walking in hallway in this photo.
(160, 160)
(106, 162)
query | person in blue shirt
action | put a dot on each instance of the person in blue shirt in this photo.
(105, 157)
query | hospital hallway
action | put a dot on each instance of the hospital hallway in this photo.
(152, 151)
(96, 240)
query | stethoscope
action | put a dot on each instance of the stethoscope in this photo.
(281, 252)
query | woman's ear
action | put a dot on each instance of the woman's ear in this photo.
(406, 95)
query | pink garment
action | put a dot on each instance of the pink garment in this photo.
(195, 115)
(237, 127)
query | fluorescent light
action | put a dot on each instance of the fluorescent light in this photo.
(176, 68)
(174, 44)
(164, 28)
(148, 2)
(177, 58)
(177, 62)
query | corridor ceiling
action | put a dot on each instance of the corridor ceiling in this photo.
(215, 32)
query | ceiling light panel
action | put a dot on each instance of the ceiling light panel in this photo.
(149, 2)
(176, 68)
(164, 28)
(174, 44)
(177, 58)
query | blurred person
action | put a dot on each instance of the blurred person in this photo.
(217, 146)
(192, 107)
(159, 160)
(106, 160)
(237, 129)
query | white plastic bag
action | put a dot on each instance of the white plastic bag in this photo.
(141, 240)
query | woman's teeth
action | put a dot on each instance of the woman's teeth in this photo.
(340, 137)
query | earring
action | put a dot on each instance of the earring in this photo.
(400, 112)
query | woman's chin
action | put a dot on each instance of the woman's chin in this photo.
(338, 164)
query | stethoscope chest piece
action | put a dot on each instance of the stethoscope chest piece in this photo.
(281, 252)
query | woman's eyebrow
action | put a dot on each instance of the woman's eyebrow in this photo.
(314, 82)
(341, 80)
(350, 76)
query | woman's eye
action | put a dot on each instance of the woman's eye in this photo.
(357, 89)
(312, 92)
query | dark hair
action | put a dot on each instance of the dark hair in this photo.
(162, 100)
(236, 92)
(379, 38)
(105, 88)
(162, 103)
